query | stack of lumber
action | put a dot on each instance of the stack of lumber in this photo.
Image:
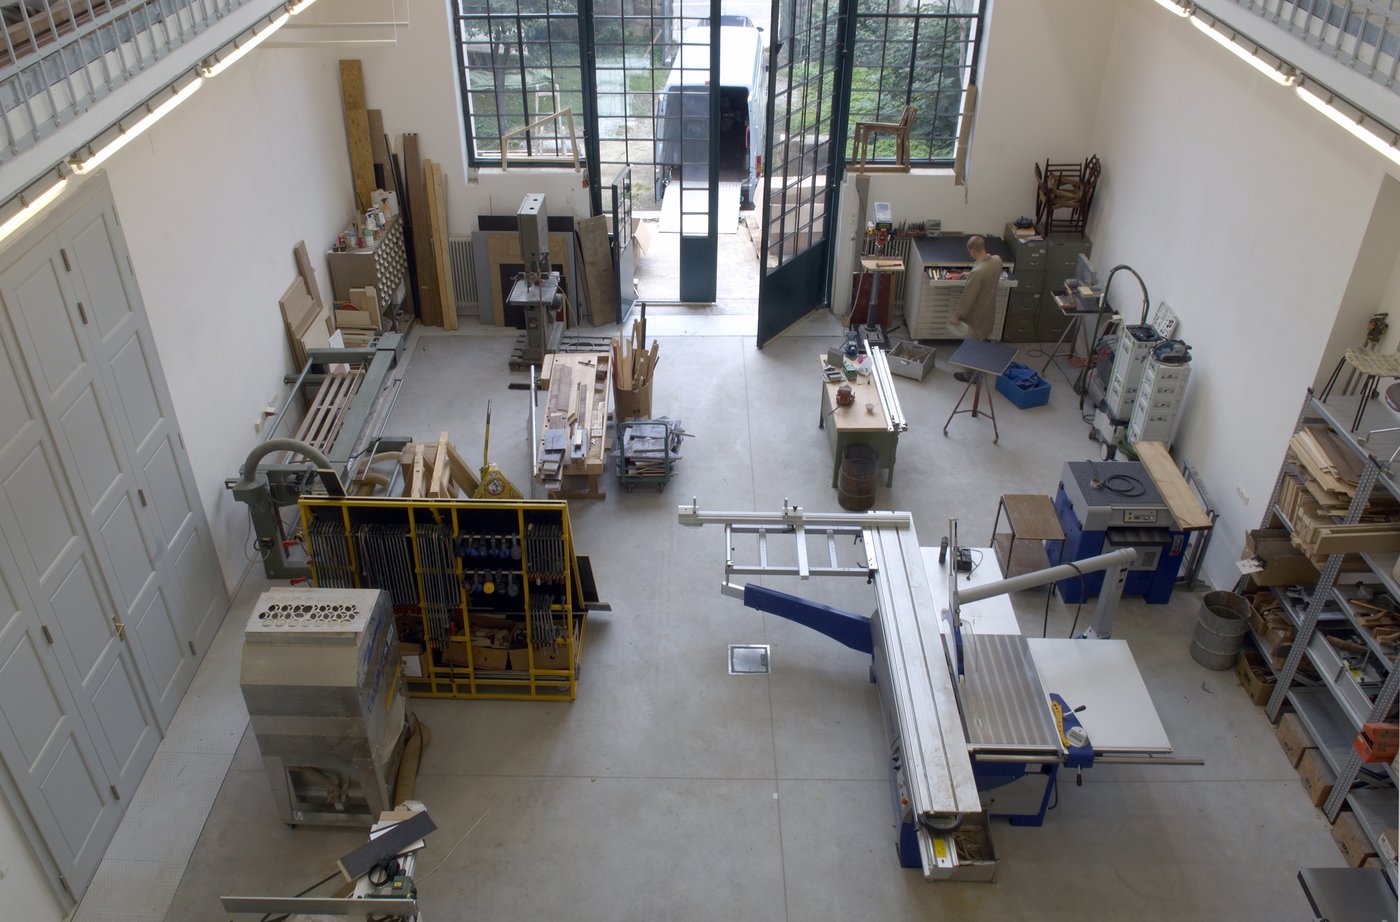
(421, 191)
(574, 437)
(634, 368)
(1323, 491)
(435, 471)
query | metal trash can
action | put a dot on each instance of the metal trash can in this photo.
(1220, 628)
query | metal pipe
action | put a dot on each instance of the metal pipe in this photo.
(1149, 760)
(1124, 556)
(262, 450)
(792, 515)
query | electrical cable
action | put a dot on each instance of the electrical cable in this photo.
(1134, 486)
(423, 877)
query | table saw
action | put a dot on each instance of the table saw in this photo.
(979, 719)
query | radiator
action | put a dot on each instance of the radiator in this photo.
(464, 290)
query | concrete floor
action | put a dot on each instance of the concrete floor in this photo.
(671, 790)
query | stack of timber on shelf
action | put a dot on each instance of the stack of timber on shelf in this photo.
(573, 442)
(1323, 489)
(1333, 612)
(490, 597)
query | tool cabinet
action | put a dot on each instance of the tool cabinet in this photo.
(931, 297)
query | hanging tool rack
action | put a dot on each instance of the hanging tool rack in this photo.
(490, 597)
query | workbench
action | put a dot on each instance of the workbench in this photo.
(573, 435)
(855, 425)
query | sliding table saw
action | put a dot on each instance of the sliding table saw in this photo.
(979, 719)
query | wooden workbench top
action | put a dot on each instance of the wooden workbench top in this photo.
(576, 413)
(856, 418)
(1032, 516)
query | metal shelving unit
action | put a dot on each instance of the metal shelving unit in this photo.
(1347, 693)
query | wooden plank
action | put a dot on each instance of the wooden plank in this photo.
(385, 845)
(1181, 500)
(1032, 517)
(416, 194)
(436, 192)
(416, 491)
(439, 466)
(352, 84)
(361, 160)
(379, 150)
(462, 475)
(598, 273)
(307, 272)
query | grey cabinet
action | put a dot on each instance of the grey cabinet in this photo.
(1040, 269)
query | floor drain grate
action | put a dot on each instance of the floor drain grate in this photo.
(749, 659)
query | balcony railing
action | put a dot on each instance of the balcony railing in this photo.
(59, 57)
(1362, 34)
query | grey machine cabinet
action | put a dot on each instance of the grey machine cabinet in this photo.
(383, 265)
(323, 681)
(1347, 692)
(930, 301)
(1040, 270)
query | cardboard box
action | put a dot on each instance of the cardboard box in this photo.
(1255, 676)
(1351, 839)
(635, 404)
(489, 659)
(1283, 565)
(555, 657)
(1294, 738)
(1317, 776)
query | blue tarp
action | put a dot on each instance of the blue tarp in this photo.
(1023, 377)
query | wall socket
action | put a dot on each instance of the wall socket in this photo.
(1244, 497)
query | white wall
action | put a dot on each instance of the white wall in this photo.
(1245, 211)
(1041, 71)
(213, 199)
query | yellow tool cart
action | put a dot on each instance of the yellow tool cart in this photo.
(489, 596)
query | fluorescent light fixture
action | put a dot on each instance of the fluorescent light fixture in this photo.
(39, 203)
(218, 67)
(1243, 53)
(301, 5)
(1169, 5)
(1354, 125)
(130, 134)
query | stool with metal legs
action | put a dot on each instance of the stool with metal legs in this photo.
(1374, 365)
(1392, 400)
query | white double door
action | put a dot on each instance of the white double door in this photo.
(110, 590)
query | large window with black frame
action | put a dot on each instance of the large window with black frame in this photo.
(919, 53)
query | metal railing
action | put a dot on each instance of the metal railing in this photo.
(59, 57)
(1362, 34)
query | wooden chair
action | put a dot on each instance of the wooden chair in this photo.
(863, 138)
(1062, 187)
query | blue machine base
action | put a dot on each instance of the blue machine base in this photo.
(1153, 585)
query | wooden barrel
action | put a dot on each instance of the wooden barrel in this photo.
(860, 465)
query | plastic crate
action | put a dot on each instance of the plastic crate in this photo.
(1024, 398)
(910, 360)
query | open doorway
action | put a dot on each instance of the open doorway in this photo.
(666, 134)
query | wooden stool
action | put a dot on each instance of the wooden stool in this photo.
(1030, 517)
